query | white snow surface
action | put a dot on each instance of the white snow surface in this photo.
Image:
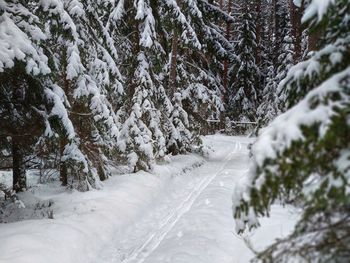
(179, 214)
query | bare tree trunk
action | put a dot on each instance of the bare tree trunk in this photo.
(18, 163)
(226, 62)
(295, 17)
(63, 166)
(258, 31)
(275, 33)
(272, 22)
(313, 39)
(18, 166)
(63, 139)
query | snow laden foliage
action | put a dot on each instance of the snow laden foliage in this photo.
(142, 138)
(23, 74)
(283, 50)
(70, 82)
(194, 72)
(303, 155)
(179, 135)
(170, 88)
(243, 98)
(85, 69)
(280, 60)
(269, 108)
(110, 82)
(20, 37)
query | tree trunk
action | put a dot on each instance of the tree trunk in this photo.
(19, 183)
(313, 39)
(226, 62)
(63, 166)
(173, 63)
(258, 32)
(63, 141)
(18, 166)
(62, 144)
(295, 18)
(276, 34)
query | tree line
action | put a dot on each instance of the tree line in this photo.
(86, 85)
(90, 84)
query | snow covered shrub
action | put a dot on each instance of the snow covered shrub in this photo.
(305, 152)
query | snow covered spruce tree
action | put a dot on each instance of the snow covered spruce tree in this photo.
(170, 88)
(32, 108)
(22, 91)
(303, 155)
(176, 79)
(283, 46)
(142, 138)
(195, 70)
(243, 98)
(269, 108)
(280, 59)
(87, 78)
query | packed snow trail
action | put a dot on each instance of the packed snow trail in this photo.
(179, 214)
(192, 222)
(156, 238)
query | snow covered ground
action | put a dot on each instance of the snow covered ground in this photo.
(179, 214)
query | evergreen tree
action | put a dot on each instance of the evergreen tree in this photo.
(304, 154)
(283, 47)
(243, 99)
(85, 69)
(280, 59)
(76, 57)
(196, 75)
(269, 107)
(142, 138)
(22, 99)
(35, 107)
(172, 71)
(179, 135)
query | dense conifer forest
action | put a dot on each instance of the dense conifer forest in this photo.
(91, 87)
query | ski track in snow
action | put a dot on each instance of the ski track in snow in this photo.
(190, 220)
(154, 240)
(127, 251)
(180, 214)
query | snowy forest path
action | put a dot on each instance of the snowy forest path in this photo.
(139, 255)
(136, 243)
